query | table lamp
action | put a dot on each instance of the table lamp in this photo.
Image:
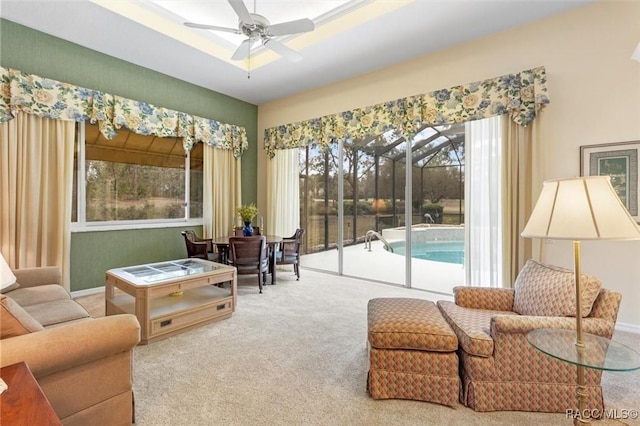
(582, 208)
(6, 279)
(6, 276)
(636, 53)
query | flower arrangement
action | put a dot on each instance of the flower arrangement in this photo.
(247, 212)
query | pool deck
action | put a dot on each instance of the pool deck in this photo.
(383, 266)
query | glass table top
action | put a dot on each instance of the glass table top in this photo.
(173, 269)
(598, 353)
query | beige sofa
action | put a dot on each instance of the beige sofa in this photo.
(84, 365)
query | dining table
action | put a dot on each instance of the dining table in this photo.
(222, 247)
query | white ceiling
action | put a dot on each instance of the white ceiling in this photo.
(373, 34)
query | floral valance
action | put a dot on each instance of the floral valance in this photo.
(62, 101)
(520, 95)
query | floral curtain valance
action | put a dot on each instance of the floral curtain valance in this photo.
(61, 101)
(520, 95)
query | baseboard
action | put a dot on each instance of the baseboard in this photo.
(630, 328)
(87, 292)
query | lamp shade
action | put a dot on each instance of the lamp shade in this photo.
(6, 276)
(636, 53)
(583, 208)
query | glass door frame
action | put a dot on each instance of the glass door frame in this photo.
(407, 211)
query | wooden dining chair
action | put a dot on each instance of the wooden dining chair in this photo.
(201, 248)
(249, 256)
(289, 251)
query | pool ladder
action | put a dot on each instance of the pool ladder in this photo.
(369, 236)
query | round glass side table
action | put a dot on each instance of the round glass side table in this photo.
(597, 352)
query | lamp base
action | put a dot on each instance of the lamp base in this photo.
(581, 391)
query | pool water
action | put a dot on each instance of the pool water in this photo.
(437, 251)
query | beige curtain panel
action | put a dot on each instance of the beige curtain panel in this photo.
(283, 192)
(222, 189)
(36, 170)
(523, 166)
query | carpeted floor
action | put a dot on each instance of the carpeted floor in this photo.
(297, 355)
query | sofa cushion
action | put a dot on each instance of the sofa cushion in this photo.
(406, 323)
(472, 326)
(56, 312)
(546, 290)
(27, 296)
(15, 321)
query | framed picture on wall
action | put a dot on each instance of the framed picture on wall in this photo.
(620, 161)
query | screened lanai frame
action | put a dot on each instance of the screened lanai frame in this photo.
(428, 144)
(393, 147)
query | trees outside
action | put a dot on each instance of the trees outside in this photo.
(117, 191)
(135, 177)
(441, 183)
(377, 201)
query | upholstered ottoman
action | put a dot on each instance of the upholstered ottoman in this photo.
(412, 352)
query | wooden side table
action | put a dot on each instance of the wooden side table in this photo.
(24, 403)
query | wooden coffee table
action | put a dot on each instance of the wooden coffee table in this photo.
(171, 297)
(24, 403)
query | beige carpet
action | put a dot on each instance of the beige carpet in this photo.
(297, 355)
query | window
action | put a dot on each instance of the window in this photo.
(134, 178)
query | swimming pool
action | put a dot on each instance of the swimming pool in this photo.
(437, 251)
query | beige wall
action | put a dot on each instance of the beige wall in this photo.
(595, 98)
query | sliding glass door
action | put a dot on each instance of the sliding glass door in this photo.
(437, 201)
(373, 202)
(319, 207)
(383, 207)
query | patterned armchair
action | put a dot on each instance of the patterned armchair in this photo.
(500, 370)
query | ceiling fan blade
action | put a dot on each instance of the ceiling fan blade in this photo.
(242, 11)
(291, 27)
(282, 50)
(212, 27)
(242, 51)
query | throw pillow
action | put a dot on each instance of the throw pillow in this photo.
(547, 290)
(15, 321)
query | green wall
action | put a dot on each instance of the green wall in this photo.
(92, 253)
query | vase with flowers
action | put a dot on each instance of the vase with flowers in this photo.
(247, 212)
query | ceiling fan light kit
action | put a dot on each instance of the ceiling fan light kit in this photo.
(257, 27)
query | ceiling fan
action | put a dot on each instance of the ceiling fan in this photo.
(257, 27)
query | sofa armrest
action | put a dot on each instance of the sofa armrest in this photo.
(522, 324)
(31, 277)
(66, 347)
(494, 299)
